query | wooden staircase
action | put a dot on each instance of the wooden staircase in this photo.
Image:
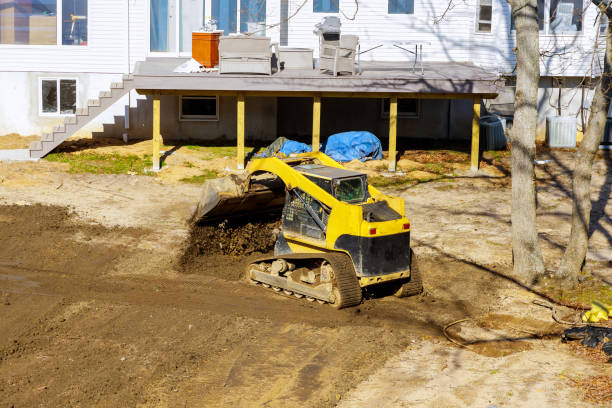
(83, 116)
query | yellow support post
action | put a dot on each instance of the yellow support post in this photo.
(156, 133)
(475, 158)
(392, 132)
(240, 132)
(316, 123)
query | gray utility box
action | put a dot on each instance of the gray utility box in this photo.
(295, 58)
(561, 131)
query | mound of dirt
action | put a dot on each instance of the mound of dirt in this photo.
(215, 248)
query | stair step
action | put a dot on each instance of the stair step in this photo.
(70, 120)
(127, 77)
(82, 111)
(48, 145)
(117, 85)
(36, 154)
(59, 128)
(93, 102)
(36, 145)
(47, 137)
(105, 94)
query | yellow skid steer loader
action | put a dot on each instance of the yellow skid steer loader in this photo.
(338, 234)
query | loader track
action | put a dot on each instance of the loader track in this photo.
(345, 280)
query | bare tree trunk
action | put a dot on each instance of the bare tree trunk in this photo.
(575, 252)
(528, 262)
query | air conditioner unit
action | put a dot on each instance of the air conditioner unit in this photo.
(492, 132)
(561, 131)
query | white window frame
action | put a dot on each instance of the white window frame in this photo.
(479, 21)
(406, 115)
(198, 118)
(57, 113)
(58, 27)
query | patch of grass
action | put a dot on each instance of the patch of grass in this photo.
(199, 179)
(214, 152)
(380, 181)
(97, 163)
(188, 164)
(582, 294)
(399, 181)
(435, 168)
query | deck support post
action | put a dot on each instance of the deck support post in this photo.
(392, 133)
(240, 131)
(316, 123)
(157, 140)
(475, 156)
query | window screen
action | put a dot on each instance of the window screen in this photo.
(401, 6)
(326, 6)
(30, 22)
(484, 16)
(565, 15)
(67, 102)
(48, 96)
(199, 108)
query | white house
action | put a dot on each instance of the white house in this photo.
(56, 55)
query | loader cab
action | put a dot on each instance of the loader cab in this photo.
(304, 215)
(346, 185)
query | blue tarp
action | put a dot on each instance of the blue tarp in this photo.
(291, 146)
(347, 146)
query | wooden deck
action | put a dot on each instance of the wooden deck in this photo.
(155, 75)
(450, 80)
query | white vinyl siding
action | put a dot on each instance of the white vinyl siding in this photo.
(114, 47)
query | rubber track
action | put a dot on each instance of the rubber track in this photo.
(345, 277)
(413, 287)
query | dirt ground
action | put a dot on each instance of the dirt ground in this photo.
(107, 298)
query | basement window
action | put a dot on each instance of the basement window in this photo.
(57, 96)
(485, 8)
(199, 108)
(406, 108)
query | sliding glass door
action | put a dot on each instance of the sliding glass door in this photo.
(171, 24)
(225, 13)
(191, 19)
(252, 14)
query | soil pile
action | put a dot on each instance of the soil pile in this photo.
(217, 247)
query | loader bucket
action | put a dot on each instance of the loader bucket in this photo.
(238, 195)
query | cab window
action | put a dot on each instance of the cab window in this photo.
(296, 218)
(325, 184)
(350, 190)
